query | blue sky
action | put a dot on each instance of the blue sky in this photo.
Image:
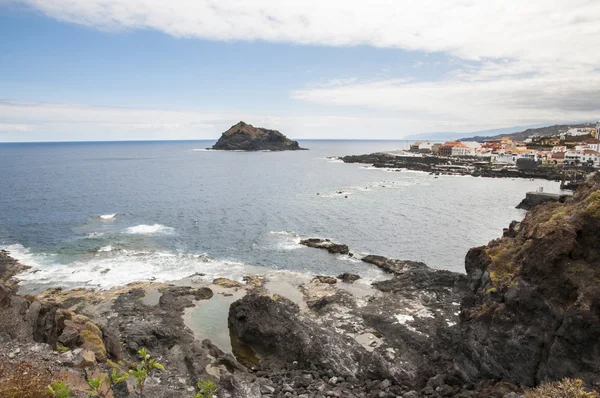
(109, 69)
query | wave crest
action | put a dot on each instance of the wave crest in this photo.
(144, 229)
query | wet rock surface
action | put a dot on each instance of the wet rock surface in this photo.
(245, 137)
(326, 244)
(348, 278)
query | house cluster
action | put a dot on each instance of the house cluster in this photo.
(575, 147)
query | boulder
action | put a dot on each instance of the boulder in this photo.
(348, 278)
(226, 283)
(275, 328)
(84, 359)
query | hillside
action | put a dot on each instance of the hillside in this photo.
(541, 131)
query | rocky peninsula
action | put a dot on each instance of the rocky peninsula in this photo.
(526, 313)
(245, 137)
(457, 166)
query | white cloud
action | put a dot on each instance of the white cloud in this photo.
(74, 122)
(14, 128)
(534, 30)
(518, 62)
(482, 98)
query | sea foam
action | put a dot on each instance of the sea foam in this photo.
(108, 216)
(143, 229)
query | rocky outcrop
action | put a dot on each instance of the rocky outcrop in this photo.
(392, 343)
(533, 199)
(333, 248)
(533, 309)
(245, 137)
(27, 321)
(9, 267)
(392, 265)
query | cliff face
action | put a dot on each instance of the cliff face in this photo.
(532, 313)
(245, 137)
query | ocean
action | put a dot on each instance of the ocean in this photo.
(109, 213)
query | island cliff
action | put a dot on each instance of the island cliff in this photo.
(245, 137)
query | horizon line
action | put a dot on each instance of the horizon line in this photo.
(195, 140)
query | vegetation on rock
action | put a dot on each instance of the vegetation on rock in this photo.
(24, 380)
(567, 388)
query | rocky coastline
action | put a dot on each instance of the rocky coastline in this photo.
(526, 312)
(452, 166)
(245, 137)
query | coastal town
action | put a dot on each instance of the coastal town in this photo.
(568, 155)
(577, 146)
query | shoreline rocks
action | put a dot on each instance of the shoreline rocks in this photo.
(326, 244)
(245, 137)
(451, 166)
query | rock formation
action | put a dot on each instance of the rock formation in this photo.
(533, 309)
(326, 244)
(245, 137)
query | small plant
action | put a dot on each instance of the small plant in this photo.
(141, 371)
(206, 389)
(95, 386)
(59, 389)
(118, 377)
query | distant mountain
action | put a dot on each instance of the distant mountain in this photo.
(521, 135)
(515, 132)
(455, 136)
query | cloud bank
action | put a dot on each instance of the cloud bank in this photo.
(517, 62)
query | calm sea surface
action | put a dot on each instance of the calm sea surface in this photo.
(104, 214)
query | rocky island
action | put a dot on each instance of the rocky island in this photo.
(245, 137)
(522, 322)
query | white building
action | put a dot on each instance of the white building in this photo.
(579, 131)
(598, 130)
(582, 157)
(462, 150)
(472, 144)
(593, 144)
(425, 146)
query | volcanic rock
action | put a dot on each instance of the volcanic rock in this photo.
(393, 266)
(533, 309)
(348, 278)
(245, 137)
(326, 244)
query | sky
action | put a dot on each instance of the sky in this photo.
(78, 70)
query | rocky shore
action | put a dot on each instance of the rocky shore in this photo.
(451, 166)
(526, 312)
(245, 137)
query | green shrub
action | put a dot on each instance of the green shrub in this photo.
(206, 389)
(145, 366)
(58, 389)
